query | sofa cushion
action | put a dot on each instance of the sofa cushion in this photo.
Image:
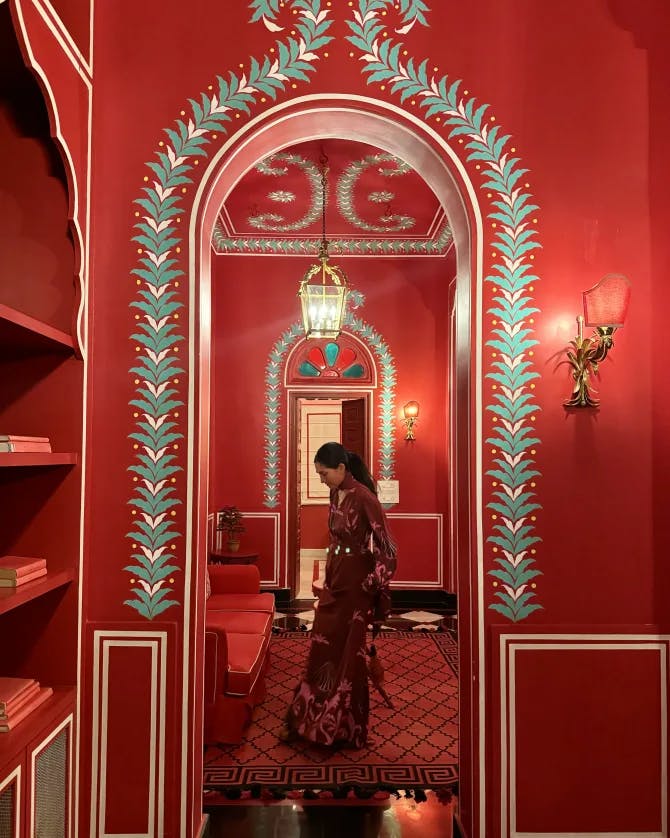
(241, 602)
(246, 655)
(240, 622)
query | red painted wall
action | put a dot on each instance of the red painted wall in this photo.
(581, 86)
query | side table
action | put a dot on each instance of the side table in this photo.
(226, 557)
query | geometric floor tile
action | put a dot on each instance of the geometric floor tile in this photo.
(421, 616)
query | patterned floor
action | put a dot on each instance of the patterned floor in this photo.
(414, 746)
(399, 621)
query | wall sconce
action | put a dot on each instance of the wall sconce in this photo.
(410, 414)
(605, 307)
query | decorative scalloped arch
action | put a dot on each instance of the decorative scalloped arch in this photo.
(513, 539)
(274, 396)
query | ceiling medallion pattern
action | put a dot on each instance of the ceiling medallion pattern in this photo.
(345, 193)
(274, 222)
(512, 540)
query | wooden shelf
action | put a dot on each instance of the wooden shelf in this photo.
(38, 722)
(21, 334)
(37, 458)
(11, 598)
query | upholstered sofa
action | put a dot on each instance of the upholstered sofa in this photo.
(238, 628)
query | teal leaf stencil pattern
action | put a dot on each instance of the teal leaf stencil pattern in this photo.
(347, 183)
(155, 470)
(273, 166)
(514, 539)
(274, 394)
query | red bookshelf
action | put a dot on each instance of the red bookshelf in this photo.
(42, 719)
(39, 458)
(11, 598)
(21, 334)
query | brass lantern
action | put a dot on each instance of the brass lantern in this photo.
(323, 289)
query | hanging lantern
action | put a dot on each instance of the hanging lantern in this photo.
(323, 289)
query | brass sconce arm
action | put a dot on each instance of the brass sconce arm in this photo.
(584, 356)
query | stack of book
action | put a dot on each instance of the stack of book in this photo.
(16, 570)
(10, 442)
(19, 697)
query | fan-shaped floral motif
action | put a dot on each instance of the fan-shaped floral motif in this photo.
(331, 361)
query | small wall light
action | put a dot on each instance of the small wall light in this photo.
(410, 413)
(605, 307)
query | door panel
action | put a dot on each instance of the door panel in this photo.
(353, 427)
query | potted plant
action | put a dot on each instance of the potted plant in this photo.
(229, 520)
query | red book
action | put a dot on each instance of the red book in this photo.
(15, 704)
(20, 580)
(13, 566)
(15, 438)
(11, 689)
(24, 447)
(12, 721)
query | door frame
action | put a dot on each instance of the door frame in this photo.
(293, 396)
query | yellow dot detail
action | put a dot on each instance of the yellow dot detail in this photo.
(145, 178)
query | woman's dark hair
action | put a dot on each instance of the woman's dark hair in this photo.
(331, 454)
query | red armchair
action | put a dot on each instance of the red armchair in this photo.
(238, 627)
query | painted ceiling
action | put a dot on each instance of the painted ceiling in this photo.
(375, 205)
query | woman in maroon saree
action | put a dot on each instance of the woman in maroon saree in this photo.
(330, 705)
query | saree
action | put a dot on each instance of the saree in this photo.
(330, 705)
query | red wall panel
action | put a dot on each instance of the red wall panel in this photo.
(584, 717)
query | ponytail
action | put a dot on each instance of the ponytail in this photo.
(360, 471)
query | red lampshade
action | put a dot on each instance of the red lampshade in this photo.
(411, 410)
(606, 303)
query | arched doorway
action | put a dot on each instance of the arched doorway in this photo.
(391, 130)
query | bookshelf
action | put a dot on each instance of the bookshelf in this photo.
(41, 394)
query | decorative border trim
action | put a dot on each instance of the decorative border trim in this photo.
(438, 517)
(276, 550)
(270, 246)
(510, 644)
(157, 642)
(274, 394)
(157, 472)
(513, 407)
